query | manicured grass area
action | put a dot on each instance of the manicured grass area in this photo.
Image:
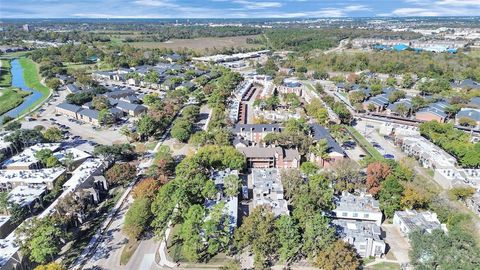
(384, 266)
(11, 98)
(33, 80)
(128, 251)
(5, 74)
(368, 147)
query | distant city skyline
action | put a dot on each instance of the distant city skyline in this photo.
(234, 8)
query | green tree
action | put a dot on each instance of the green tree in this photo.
(181, 130)
(4, 202)
(288, 234)
(193, 246)
(232, 185)
(309, 168)
(53, 134)
(258, 233)
(40, 239)
(317, 235)
(53, 83)
(100, 103)
(407, 81)
(137, 218)
(390, 196)
(105, 117)
(146, 127)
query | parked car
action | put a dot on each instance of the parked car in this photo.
(389, 156)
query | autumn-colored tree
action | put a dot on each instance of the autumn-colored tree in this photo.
(339, 256)
(376, 173)
(50, 266)
(414, 198)
(121, 174)
(147, 188)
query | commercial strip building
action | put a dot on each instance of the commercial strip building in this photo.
(221, 58)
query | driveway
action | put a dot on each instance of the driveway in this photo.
(398, 245)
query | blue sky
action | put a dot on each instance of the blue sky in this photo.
(234, 8)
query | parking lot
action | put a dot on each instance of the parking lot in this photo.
(46, 117)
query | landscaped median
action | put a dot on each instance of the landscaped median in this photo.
(33, 80)
(5, 74)
(10, 98)
(368, 147)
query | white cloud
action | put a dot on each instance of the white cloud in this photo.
(357, 8)
(156, 3)
(437, 8)
(257, 5)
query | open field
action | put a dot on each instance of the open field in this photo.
(5, 74)
(32, 80)
(11, 98)
(199, 44)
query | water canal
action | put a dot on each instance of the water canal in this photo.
(18, 81)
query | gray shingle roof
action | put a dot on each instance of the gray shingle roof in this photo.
(69, 107)
(469, 113)
(320, 132)
(89, 113)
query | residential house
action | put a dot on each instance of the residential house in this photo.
(412, 220)
(393, 108)
(468, 113)
(71, 88)
(466, 84)
(377, 103)
(435, 111)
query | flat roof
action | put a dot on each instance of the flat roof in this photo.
(8, 248)
(351, 202)
(27, 156)
(40, 176)
(25, 195)
(77, 154)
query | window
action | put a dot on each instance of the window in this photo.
(344, 214)
(366, 215)
(355, 214)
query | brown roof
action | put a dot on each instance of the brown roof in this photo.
(268, 152)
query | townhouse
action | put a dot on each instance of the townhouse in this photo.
(271, 157)
(268, 190)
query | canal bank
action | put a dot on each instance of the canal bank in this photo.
(25, 76)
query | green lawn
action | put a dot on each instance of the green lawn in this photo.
(5, 75)
(384, 266)
(32, 80)
(368, 147)
(11, 98)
